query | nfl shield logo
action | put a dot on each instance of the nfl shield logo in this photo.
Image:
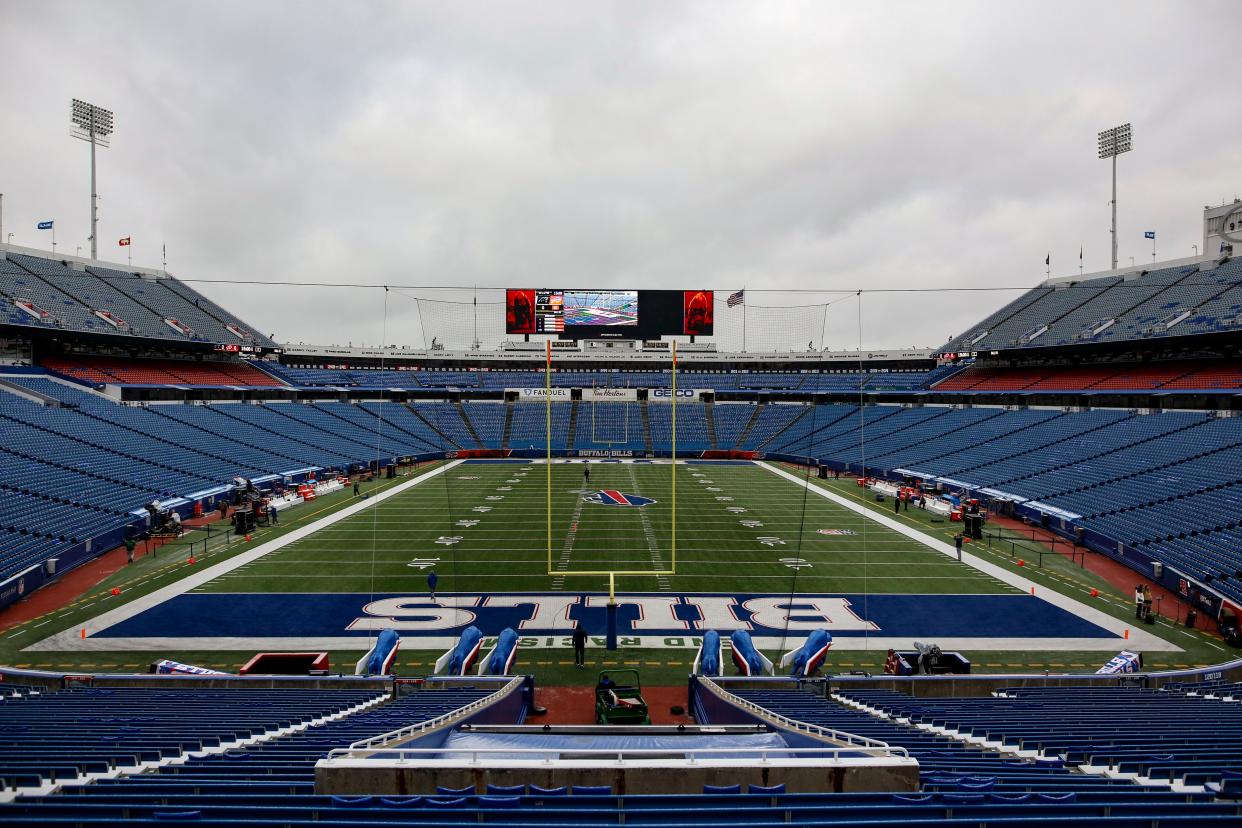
(612, 497)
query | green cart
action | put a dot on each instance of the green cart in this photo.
(619, 700)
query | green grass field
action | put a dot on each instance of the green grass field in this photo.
(484, 529)
(505, 549)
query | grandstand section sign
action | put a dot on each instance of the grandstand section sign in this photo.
(539, 394)
(609, 394)
(666, 395)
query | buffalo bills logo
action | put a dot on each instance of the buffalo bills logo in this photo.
(612, 497)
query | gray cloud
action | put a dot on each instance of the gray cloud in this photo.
(781, 146)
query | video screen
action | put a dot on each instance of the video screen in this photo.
(534, 311)
(698, 312)
(601, 307)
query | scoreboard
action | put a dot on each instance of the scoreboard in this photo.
(609, 314)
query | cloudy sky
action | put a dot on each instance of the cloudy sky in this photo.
(780, 146)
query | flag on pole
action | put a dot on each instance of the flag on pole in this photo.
(125, 242)
(1080, 254)
(1150, 234)
(1048, 258)
(46, 225)
(735, 299)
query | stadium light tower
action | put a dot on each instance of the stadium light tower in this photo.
(94, 124)
(1114, 142)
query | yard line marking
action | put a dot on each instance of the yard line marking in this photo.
(567, 549)
(653, 546)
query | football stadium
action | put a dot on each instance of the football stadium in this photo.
(558, 548)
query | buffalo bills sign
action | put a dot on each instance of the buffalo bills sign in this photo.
(612, 497)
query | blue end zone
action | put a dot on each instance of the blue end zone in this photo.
(316, 615)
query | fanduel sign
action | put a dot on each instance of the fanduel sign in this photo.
(540, 394)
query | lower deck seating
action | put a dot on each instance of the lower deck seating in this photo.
(104, 729)
(273, 783)
(60, 736)
(945, 764)
(1154, 736)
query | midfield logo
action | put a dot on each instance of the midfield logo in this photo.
(612, 497)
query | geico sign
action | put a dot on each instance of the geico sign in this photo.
(668, 395)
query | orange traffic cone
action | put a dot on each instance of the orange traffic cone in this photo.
(116, 590)
(1095, 593)
(1021, 562)
(247, 539)
(191, 560)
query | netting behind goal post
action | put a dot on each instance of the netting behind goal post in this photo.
(610, 422)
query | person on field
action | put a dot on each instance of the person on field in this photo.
(579, 640)
(586, 475)
(432, 580)
(130, 544)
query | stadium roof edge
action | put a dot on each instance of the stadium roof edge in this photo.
(1132, 270)
(40, 253)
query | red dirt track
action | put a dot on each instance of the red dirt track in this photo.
(78, 581)
(576, 705)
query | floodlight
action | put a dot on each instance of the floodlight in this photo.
(1113, 142)
(94, 124)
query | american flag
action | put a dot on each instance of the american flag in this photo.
(738, 298)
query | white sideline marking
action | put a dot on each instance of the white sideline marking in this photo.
(1139, 638)
(69, 639)
(545, 640)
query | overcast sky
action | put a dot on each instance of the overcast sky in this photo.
(632, 144)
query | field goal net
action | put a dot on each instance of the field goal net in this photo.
(610, 422)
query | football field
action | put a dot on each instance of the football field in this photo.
(483, 527)
(757, 547)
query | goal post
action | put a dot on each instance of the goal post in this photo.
(611, 574)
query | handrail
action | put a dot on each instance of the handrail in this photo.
(797, 726)
(430, 724)
(547, 754)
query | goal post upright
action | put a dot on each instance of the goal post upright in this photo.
(547, 372)
(673, 465)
